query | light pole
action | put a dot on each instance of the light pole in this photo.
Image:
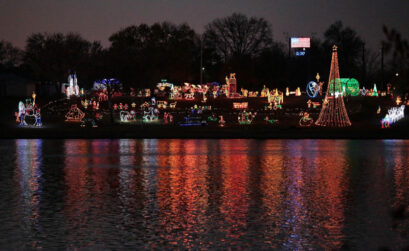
(201, 59)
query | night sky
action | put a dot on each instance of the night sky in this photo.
(98, 19)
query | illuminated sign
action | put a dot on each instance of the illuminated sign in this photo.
(300, 42)
(312, 89)
(300, 53)
(242, 105)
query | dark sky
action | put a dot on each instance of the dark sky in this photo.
(98, 19)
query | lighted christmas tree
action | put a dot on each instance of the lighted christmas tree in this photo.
(333, 112)
(375, 91)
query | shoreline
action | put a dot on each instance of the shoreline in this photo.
(175, 132)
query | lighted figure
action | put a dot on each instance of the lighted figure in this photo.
(126, 107)
(37, 115)
(99, 116)
(298, 91)
(133, 105)
(263, 92)
(246, 117)
(379, 110)
(204, 98)
(153, 101)
(363, 91)
(305, 120)
(388, 89)
(74, 114)
(244, 92)
(173, 105)
(121, 106)
(394, 114)
(115, 107)
(34, 98)
(147, 93)
(133, 115)
(270, 121)
(150, 115)
(212, 118)
(165, 118)
(22, 113)
(309, 103)
(222, 122)
(145, 106)
(287, 91)
(398, 100)
(124, 116)
(231, 85)
(276, 98)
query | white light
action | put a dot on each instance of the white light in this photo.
(394, 114)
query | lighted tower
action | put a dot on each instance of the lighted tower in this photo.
(333, 112)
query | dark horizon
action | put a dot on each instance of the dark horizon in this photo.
(296, 18)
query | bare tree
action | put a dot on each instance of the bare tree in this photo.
(10, 56)
(238, 35)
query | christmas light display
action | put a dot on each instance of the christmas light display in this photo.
(333, 112)
(398, 100)
(28, 115)
(88, 121)
(276, 97)
(394, 114)
(312, 89)
(298, 92)
(363, 91)
(245, 118)
(74, 114)
(125, 116)
(305, 120)
(232, 86)
(151, 115)
(212, 118)
(71, 88)
(240, 105)
(222, 122)
(193, 121)
(189, 96)
(162, 104)
(172, 105)
(375, 91)
(271, 121)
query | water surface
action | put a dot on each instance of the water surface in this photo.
(210, 194)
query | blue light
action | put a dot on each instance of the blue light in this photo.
(300, 53)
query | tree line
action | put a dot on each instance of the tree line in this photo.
(141, 55)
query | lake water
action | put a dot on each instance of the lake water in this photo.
(208, 194)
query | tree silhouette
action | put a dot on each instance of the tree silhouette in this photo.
(350, 45)
(10, 56)
(49, 57)
(142, 55)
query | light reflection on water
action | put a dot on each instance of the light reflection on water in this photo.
(282, 194)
